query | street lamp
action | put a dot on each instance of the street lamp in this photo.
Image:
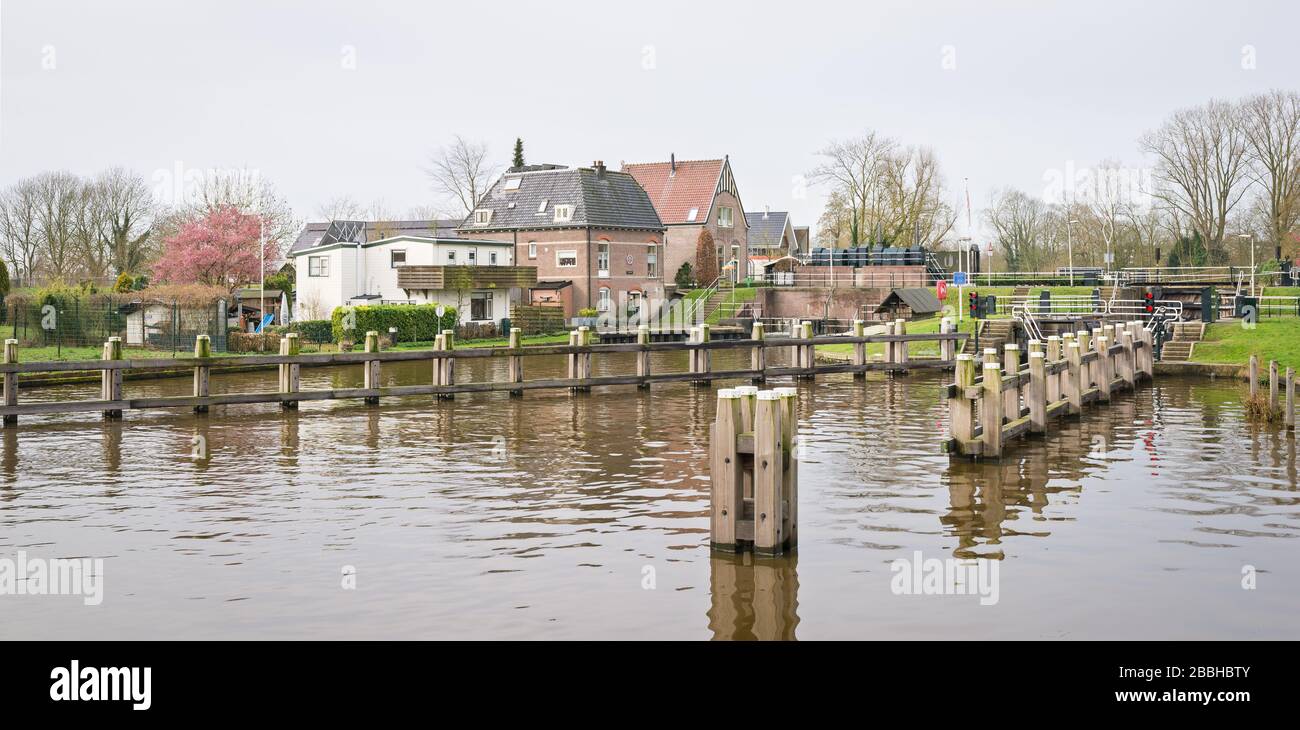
(1251, 236)
(963, 253)
(1069, 244)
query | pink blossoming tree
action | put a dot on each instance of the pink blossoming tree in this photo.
(219, 247)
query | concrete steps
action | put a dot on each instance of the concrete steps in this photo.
(992, 333)
(1186, 335)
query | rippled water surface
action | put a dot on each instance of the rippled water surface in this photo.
(547, 516)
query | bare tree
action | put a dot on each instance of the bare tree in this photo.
(1272, 128)
(833, 225)
(341, 208)
(1201, 164)
(58, 201)
(1024, 229)
(128, 209)
(462, 171)
(915, 211)
(20, 228)
(856, 167)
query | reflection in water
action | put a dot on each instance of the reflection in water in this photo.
(489, 516)
(753, 598)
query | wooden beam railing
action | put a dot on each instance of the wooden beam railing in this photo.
(1008, 400)
(443, 359)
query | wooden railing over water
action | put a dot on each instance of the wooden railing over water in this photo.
(1076, 370)
(112, 402)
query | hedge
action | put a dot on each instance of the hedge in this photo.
(414, 322)
(318, 331)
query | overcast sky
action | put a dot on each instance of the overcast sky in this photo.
(333, 98)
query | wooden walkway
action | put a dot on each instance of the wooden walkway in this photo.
(443, 383)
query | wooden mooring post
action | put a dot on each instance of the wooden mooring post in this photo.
(371, 372)
(1272, 386)
(1072, 373)
(202, 373)
(290, 373)
(444, 368)
(859, 348)
(758, 354)
(701, 360)
(1253, 375)
(11, 380)
(1289, 415)
(515, 363)
(808, 358)
(111, 380)
(764, 456)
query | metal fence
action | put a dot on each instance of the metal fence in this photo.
(77, 323)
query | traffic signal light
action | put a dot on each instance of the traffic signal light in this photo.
(1149, 300)
(974, 305)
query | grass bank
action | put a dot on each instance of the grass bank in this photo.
(1232, 344)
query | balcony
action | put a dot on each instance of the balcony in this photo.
(442, 278)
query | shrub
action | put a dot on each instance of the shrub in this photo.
(588, 312)
(414, 322)
(685, 278)
(318, 331)
(125, 283)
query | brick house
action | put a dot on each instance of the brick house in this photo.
(590, 226)
(689, 196)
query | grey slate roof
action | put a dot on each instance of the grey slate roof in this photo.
(611, 200)
(312, 233)
(920, 299)
(766, 231)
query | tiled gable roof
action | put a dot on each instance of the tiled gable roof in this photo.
(608, 200)
(676, 193)
(766, 229)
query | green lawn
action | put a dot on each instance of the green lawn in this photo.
(1233, 344)
(918, 349)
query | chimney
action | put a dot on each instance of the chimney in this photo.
(672, 164)
(767, 210)
(599, 167)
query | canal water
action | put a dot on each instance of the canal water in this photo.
(1166, 515)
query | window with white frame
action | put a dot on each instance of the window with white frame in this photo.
(318, 266)
(532, 249)
(397, 257)
(482, 216)
(651, 260)
(566, 259)
(512, 183)
(451, 256)
(563, 213)
(480, 306)
(472, 255)
(602, 301)
(492, 258)
(726, 217)
(602, 259)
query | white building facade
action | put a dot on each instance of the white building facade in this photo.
(346, 273)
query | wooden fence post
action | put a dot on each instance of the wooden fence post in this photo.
(11, 379)
(769, 467)
(991, 410)
(1053, 381)
(758, 354)
(202, 373)
(1011, 367)
(1272, 387)
(1037, 395)
(1074, 383)
(515, 363)
(1290, 399)
(790, 472)
(1254, 376)
(859, 350)
(111, 380)
(809, 358)
(726, 472)
(1104, 371)
(961, 410)
(947, 347)
(371, 372)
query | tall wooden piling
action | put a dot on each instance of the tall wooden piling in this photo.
(111, 380)
(371, 372)
(1053, 381)
(726, 473)
(960, 408)
(1105, 368)
(1127, 358)
(947, 348)
(448, 363)
(1085, 344)
(758, 354)
(643, 357)
(1011, 366)
(515, 363)
(1272, 386)
(701, 360)
(796, 329)
(1037, 394)
(1074, 385)
(769, 467)
(900, 351)
(859, 348)
(11, 380)
(1254, 376)
(202, 373)
(290, 373)
(1290, 398)
(991, 410)
(809, 356)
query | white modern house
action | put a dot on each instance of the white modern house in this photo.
(341, 268)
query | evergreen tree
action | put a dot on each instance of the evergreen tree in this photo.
(519, 152)
(706, 259)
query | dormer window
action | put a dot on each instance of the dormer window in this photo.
(563, 213)
(482, 216)
(691, 216)
(512, 183)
